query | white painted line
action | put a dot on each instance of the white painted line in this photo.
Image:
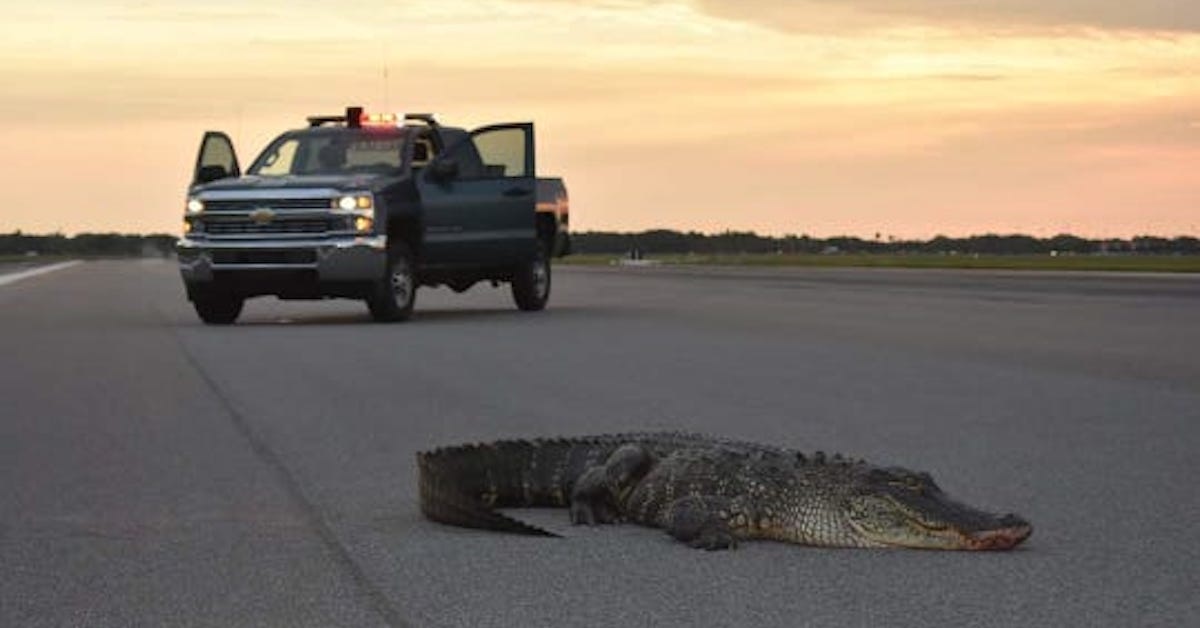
(33, 272)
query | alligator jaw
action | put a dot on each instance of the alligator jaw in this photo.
(1011, 535)
(1009, 532)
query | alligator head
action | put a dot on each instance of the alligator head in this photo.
(896, 507)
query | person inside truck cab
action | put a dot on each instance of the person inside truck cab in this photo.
(422, 153)
(332, 157)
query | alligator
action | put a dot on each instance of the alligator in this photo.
(706, 492)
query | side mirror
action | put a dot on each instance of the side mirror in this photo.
(211, 173)
(444, 169)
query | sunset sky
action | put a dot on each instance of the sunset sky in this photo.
(908, 118)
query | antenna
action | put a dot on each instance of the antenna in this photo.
(387, 105)
(240, 108)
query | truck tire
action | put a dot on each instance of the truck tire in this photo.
(394, 296)
(218, 309)
(531, 282)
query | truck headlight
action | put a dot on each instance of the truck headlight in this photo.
(195, 205)
(363, 224)
(351, 202)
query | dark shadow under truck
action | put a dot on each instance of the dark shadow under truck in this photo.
(371, 207)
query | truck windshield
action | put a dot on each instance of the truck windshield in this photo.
(332, 152)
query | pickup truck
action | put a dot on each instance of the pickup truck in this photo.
(371, 206)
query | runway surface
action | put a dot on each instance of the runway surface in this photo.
(157, 472)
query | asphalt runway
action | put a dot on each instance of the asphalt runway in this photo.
(157, 472)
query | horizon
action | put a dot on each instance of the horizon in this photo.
(882, 238)
(911, 119)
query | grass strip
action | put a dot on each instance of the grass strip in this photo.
(1130, 263)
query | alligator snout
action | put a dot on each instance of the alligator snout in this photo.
(1009, 532)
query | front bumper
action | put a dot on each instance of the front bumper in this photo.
(333, 260)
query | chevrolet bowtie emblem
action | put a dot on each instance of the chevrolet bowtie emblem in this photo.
(262, 215)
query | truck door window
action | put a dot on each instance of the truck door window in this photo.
(464, 154)
(216, 151)
(502, 152)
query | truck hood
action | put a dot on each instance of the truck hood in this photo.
(253, 182)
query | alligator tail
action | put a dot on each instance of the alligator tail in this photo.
(464, 485)
(450, 492)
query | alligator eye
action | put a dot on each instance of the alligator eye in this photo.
(882, 475)
(909, 482)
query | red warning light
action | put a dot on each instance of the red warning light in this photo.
(379, 119)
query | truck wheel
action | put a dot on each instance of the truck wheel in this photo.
(393, 297)
(531, 283)
(218, 309)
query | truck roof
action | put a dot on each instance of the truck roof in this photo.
(355, 117)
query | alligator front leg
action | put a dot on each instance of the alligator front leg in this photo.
(705, 522)
(592, 501)
(600, 492)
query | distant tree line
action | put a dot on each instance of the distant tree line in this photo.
(668, 242)
(99, 244)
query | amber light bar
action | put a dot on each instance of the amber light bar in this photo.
(379, 119)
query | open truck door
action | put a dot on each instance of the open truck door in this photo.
(216, 159)
(479, 198)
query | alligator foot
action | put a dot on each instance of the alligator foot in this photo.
(702, 522)
(591, 501)
(601, 489)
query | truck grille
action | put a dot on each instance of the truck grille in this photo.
(265, 257)
(246, 205)
(237, 225)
